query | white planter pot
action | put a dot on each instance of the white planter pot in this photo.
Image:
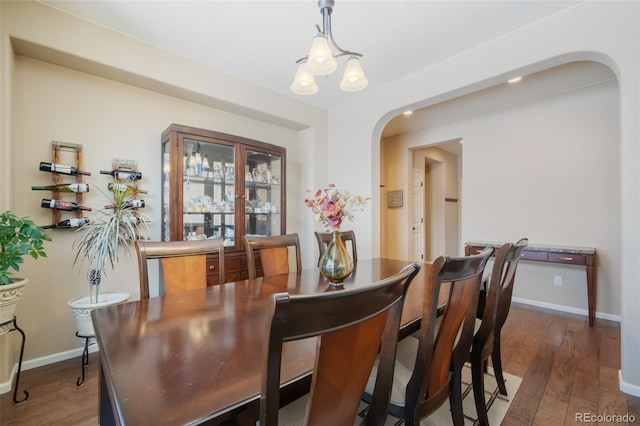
(9, 297)
(81, 308)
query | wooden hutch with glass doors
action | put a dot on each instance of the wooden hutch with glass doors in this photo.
(220, 185)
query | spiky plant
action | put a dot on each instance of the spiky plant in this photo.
(102, 238)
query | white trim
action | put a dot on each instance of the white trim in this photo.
(45, 360)
(627, 387)
(563, 308)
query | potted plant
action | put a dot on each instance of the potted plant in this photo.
(99, 246)
(19, 237)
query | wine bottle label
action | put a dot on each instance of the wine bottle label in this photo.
(52, 204)
(61, 168)
(79, 187)
(128, 175)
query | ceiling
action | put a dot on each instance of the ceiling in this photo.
(260, 41)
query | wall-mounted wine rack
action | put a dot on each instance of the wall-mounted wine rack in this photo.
(57, 148)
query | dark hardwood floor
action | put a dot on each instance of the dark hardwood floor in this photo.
(567, 368)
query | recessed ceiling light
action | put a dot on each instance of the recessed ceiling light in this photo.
(407, 113)
(514, 80)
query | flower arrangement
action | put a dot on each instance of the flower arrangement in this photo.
(331, 206)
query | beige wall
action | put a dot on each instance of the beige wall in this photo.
(115, 95)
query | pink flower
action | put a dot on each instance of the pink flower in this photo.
(331, 206)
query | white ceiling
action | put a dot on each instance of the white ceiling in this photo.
(260, 40)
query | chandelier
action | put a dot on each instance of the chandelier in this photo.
(321, 61)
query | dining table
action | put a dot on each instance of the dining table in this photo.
(197, 356)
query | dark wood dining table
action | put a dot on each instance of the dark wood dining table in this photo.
(196, 357)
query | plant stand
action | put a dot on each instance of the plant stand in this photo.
(85, 355)
(6, 327)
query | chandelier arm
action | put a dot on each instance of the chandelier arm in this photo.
(326, 30)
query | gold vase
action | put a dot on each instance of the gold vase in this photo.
(336, 263)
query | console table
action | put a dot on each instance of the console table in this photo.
(585, 256)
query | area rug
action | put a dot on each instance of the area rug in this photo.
(496, 403)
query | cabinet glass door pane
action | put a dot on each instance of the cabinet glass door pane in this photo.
(208, 191)
(263, 193)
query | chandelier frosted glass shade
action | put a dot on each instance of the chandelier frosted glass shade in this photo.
(304, 83)
(353, 78)
(321, 60)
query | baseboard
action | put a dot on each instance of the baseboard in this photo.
(569, 309)
(45, 360)
(628, 387)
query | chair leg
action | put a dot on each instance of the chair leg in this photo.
(496, 360)
(477, 378)
(455, 399)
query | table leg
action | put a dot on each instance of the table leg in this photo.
(591, 289)
(106, 409)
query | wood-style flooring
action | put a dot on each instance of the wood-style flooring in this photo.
(567, 368)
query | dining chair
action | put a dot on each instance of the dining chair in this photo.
(184, 263)
(273, 251)
(353, 324)
(428, 368)
(324, 238)
(490, 319)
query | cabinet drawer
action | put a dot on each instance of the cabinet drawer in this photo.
(573, 259)
(538, 256)
(232, 264)
(212, 266)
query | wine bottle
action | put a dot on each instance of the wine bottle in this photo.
(69, 223)
(62, 169)
(122, 174)
(129, 204)
(65, 187)
(127, 189)
(62, 205)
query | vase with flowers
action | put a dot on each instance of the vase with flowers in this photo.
(331, 206)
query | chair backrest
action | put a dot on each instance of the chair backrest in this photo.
(273, 251)
(498, 295)
(351, 323)
(184, 263)
(439, 352)
(324, 238)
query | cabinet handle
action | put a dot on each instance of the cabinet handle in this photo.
(212, 267)
(566, 258)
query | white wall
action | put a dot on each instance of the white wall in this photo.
(607, 32)
(546, 170)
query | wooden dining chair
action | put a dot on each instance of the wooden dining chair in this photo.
(184, 263)
(273, 252)
(428, 369)
(324, 238)
(353, 324)
(490, 319)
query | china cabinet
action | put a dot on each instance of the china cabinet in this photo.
(215, 184)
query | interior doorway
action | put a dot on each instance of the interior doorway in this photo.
(438, 199)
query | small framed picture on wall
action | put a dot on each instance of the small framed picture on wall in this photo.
(394, 198)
